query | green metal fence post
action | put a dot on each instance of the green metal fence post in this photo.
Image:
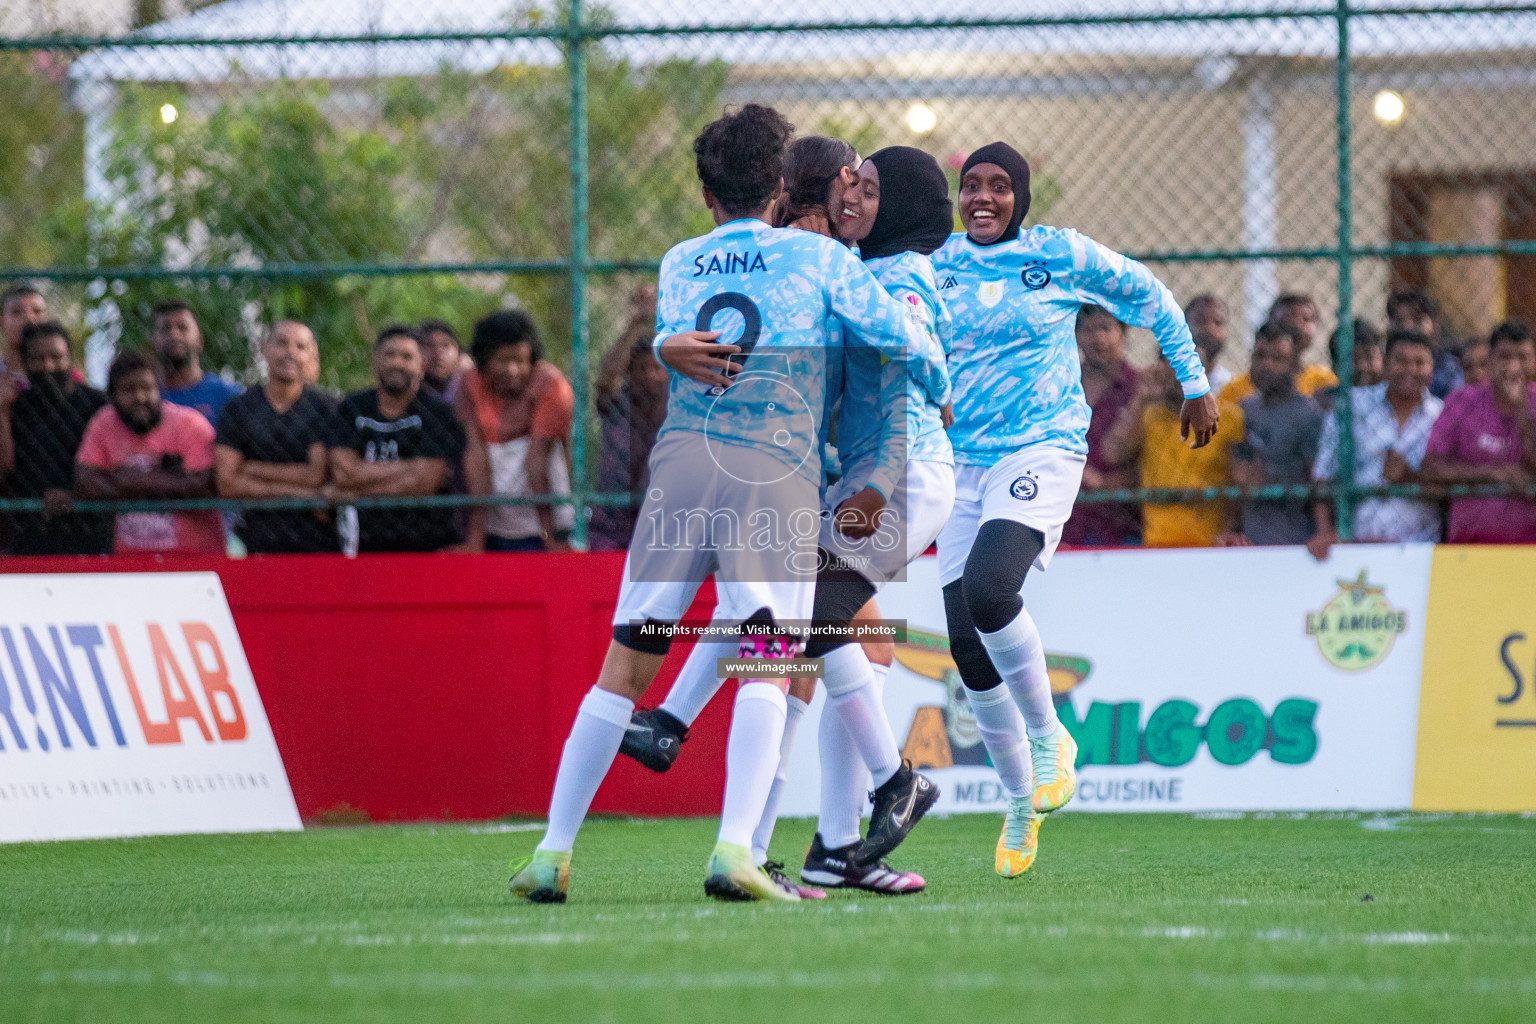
(1343, 407)
(576, 57)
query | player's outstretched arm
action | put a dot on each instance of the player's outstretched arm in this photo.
(1134, 295)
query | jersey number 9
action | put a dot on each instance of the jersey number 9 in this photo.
(752, 323)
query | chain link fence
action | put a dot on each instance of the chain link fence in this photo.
(358, 163)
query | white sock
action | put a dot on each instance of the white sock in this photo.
(794, 710)
(852, 696)
(844, 778)
(589, 752)
(1019, 657)
(697, 682)
(1002, 730)
(751, 757)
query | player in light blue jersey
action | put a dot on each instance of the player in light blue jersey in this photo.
(1020, 441)
(910, 194)
(876, 435)
(734, 482)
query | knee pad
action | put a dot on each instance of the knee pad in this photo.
(970, 657)
(840, 593)
(658, 642)
(994, 573)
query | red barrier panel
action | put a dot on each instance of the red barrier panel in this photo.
(436, 686)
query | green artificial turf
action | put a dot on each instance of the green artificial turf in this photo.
(1148, 917)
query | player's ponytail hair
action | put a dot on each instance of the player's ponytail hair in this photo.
(811, 164)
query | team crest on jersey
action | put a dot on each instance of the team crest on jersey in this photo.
(1036, 277)
(990, 293)
(1025, 487)
(915, 311)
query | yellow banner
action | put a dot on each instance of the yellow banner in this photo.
(1477, 709)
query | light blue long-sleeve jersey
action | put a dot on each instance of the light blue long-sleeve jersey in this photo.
(1014, 358)
(885, 412)
(782, 295)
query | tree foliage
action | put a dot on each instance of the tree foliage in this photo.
(455, 167)
(40, 156)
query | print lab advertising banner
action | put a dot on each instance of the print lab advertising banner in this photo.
(1253, 679)
(127, 708)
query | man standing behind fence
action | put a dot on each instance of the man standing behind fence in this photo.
(1281, 427)
(523, 407)
(271, 444)
(40, 431)
(442, 358)
(1296, 314)
(1420, 314)
(1147, 435)
(396, 440)
(1487, 434)
(178, 343)
(1392, 423)
(142, 448)
(20, 304)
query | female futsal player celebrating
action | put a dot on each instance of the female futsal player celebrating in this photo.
(1020, 441)
(894, 456)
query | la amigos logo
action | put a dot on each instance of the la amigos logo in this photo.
(75, 678)
(1234, 731)
(1356, 629)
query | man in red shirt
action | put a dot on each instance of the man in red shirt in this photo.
(522, 406)
(139, 447)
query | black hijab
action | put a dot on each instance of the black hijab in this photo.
(1009, 159)
(914, 212)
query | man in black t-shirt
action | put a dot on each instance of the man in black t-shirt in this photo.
(272, 443)
(46, 422)
(397, 440)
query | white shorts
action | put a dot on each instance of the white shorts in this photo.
(1033, 486)
(699, 517)
(915, 514)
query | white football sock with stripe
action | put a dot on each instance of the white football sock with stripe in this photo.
(844, 777)
(1019, 657)
(794, 710)
(854, 698)
(589, 753)
(1002, 729)
(751, 758)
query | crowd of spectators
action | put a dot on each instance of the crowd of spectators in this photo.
(1424, 412)
(495, 419)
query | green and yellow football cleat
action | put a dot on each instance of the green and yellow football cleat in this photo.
(543, 877)
(1054, 757)
(1021, 836)
(733, 876)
